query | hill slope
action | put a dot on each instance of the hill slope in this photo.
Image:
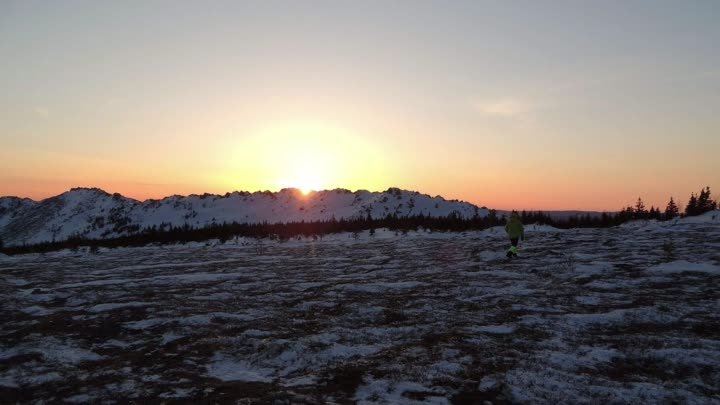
(94, 213)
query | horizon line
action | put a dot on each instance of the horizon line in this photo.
(300, 191)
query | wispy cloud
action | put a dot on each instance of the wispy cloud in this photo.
(503, 107)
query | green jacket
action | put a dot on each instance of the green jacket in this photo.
(515, 229)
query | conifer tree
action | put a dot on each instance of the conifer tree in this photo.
(692, 205)
(640, 212)
(710, 204)
(671, 211)
(703, 201)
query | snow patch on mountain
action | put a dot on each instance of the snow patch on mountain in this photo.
(94, 213)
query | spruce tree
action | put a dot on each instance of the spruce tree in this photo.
(671, 211)
(703, 201)
(692, 206)
(640, 212)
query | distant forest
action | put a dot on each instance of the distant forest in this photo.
(697, 204)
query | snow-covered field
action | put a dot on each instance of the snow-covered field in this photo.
(628, 315)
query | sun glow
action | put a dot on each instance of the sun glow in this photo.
(307, 156)
(307, 179)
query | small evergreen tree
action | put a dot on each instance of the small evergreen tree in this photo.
(671, 210)
(640, 212)
(627, 214)
(705, 202)
(692, 206)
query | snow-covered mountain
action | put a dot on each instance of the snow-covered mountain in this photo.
(94, 213)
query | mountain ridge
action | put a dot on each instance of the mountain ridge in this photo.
(94, 213)
(241, 192)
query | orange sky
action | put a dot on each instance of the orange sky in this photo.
(319, 157)
(562, 114)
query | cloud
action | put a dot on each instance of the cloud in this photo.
(504, 107)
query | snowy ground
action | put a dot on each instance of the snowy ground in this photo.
(614, 316)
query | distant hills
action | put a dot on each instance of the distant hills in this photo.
(563, 215)
(94, 213)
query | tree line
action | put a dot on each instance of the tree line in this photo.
(697, 204)
(168, 234)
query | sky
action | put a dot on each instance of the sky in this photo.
(506, 104)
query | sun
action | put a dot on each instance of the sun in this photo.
(307, 155)
(306, 190)
(307, 178)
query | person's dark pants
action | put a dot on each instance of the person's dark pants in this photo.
(513, 249)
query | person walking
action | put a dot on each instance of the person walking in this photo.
(515, 231)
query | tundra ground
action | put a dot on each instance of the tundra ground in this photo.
(607, 316)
